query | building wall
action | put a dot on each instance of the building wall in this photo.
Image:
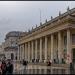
(8, 54)
(56, 29)
(10, 44)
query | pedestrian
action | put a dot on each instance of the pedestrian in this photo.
(49, 63)
(0, 70)
(55, 61)
(25, 65)
(9, 67)
(71, 68)
(3, 67)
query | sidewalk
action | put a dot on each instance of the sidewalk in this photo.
(18, 67)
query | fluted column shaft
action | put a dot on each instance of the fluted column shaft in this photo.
(35, 49)
(45, 47)
(40, 49)
(59, 47)
(69, 59)
(52, 38)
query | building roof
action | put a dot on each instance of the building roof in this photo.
(53, 20)
(15, 34)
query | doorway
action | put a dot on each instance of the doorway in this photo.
(73, 55)
(12, 56)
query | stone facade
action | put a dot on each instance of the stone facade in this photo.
(10, 44)
(2, 55)
(51, 40)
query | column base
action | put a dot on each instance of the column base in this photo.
(45, 60)
(40, 61)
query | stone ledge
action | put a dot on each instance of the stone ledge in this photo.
(53, 65)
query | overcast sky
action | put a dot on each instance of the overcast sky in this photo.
(23, 15)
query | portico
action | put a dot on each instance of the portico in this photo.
(52, 40)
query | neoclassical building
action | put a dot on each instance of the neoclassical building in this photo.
(55, 39)
(10, 44)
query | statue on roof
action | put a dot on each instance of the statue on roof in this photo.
(68, 8)
(46, 20)
(59, 13)
(36, 25)
(51, 17)
(40, 23)
(32, 28)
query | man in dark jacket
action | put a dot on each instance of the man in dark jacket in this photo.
(9, 67)
(71, 68)
(25, 64)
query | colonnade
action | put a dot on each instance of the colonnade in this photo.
(38, 48)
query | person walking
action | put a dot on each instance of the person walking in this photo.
(3, 67)
(0, 70)
(25, 65)
(9, 67)
(71, 68)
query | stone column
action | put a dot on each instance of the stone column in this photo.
(28, 51)
(32, 49)
(20, 53)
(18, 56)
(59, 47)
(69, 59)
(40, 49)
(25, 51)
(36, 49)
(45, 48)
(52, 38)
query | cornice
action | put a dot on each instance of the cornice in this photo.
(67, 20)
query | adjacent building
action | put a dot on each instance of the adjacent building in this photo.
(2, 55)
(53, 40)
(11, 45)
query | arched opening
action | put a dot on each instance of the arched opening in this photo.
(12, 56)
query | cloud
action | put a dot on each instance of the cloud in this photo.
(22, 15)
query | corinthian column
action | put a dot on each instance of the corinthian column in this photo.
(35, 49)
(59, 47)
(69, 59)
(52, 38)
(40, 49)
(28, 51)
(32, 49)
(45, 48)
(25, 51)
(18, 52)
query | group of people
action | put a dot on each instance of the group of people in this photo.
(6, 67)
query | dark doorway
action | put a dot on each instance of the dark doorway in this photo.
(73, 55)
(12, 56)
